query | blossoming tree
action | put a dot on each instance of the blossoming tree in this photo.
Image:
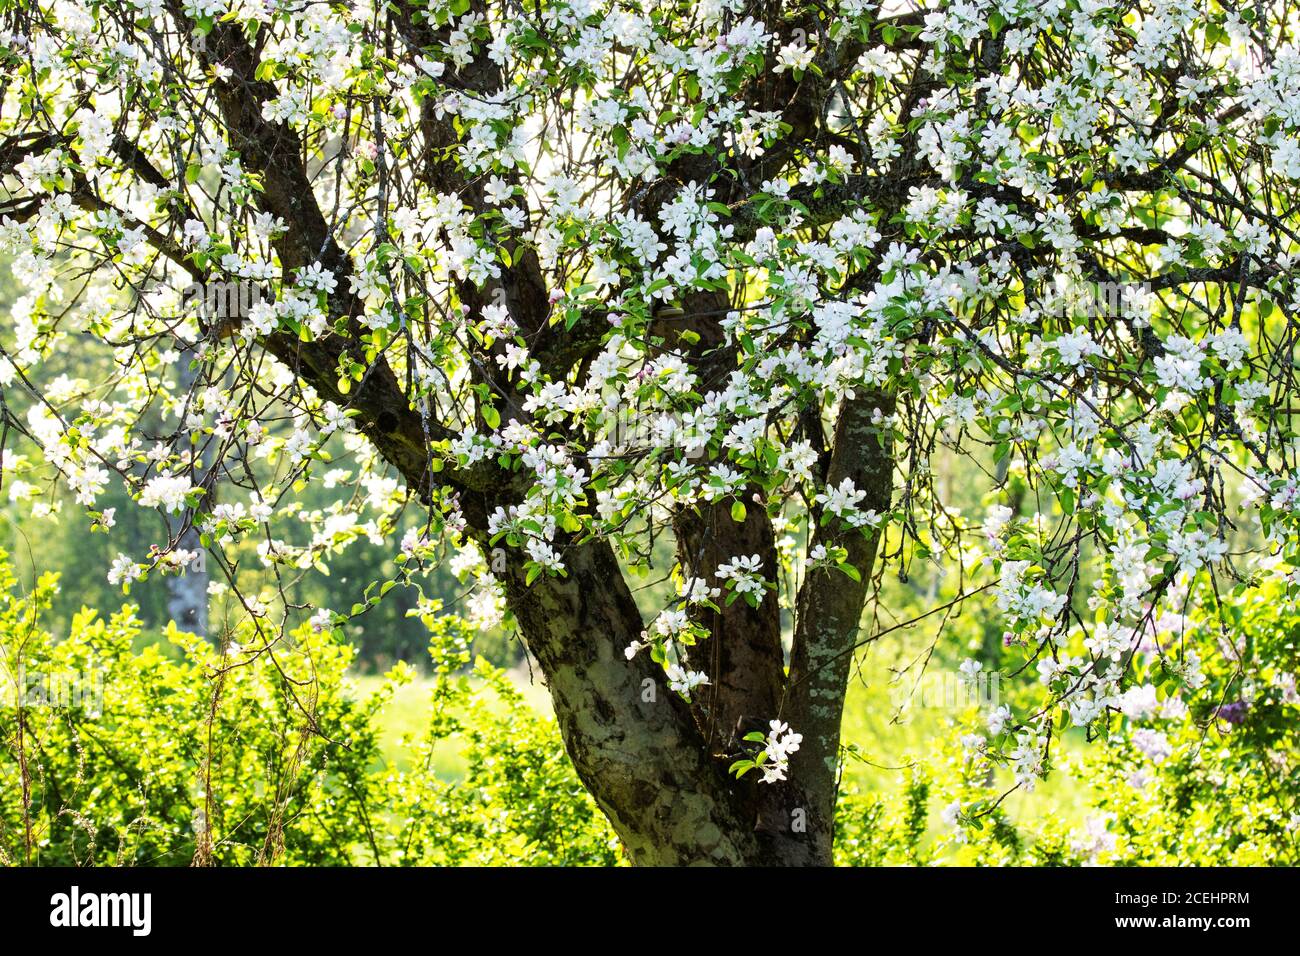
(568, 277)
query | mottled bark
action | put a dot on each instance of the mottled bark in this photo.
(632, 741)
(829, 610)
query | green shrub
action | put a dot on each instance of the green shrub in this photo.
(260, 753)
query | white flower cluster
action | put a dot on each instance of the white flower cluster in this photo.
(781, 743)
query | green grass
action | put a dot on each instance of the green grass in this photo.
(406, 717)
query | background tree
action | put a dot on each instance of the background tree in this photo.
(798, 248)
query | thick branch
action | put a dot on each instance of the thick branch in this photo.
(829, 609)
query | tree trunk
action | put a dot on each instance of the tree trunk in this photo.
(633, 742)
(645, 755)
(829, 612)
